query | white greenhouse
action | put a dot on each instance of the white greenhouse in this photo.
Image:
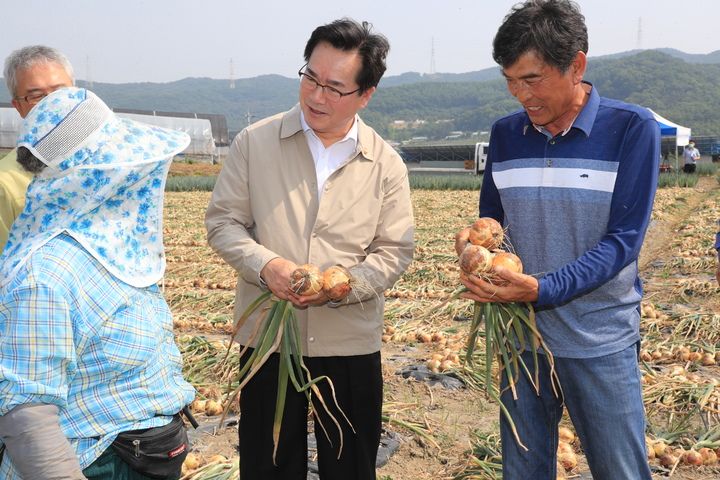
(202, 144)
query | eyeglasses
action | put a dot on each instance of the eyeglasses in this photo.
(33, 99)
(331, 93)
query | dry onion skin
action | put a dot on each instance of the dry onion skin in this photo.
(475, 260)
(337, 282)
(306, 280)
(507, 260)
(486, 232)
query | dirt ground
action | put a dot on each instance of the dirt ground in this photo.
(452, 415)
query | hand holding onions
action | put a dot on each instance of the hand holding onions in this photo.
(493, 278)
(335, 283)
(486, 268)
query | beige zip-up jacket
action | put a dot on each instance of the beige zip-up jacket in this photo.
(265, 205)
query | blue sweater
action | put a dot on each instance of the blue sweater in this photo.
(576, 208)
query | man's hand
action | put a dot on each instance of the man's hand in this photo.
(276, 274)
(520, 287)
(717, 273)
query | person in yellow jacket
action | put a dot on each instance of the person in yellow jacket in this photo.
(31, 74)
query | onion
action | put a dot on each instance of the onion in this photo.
(213, 408)
(566, 435)
(709, 456)
(695, 357)
(306, 280)
(486, 232)
(568, 460)
(668, 460)
(708, 359)
(475, 260)
(337, 282)
(660, 449)
(433, 365)
(446, 365)
(564, 447)
(198, 405)
(691, 457)
(504, 259)
(191, 462)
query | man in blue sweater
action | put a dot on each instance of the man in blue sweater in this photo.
(572, 177)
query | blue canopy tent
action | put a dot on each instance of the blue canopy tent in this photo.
(668, 129)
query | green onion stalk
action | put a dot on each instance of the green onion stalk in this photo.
(277, 330)
(510, 330)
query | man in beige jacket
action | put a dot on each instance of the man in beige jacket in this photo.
(316, 185)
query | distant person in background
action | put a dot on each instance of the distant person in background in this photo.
(31, 73)
(690, 157)
(571, 177)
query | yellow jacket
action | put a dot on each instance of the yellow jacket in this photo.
(14, 181)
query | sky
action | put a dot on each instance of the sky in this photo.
(130, 41)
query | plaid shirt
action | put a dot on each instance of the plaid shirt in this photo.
(103, 351)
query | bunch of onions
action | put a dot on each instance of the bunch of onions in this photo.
(337, 282)
(484, 252)
(277, 330)
(510, 328)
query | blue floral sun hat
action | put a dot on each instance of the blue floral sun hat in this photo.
(104, 186)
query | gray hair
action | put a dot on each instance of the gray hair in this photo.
(28, 57)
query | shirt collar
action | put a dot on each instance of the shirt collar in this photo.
(583, 121)
(351, 135)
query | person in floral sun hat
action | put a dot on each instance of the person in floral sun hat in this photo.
(86, 347)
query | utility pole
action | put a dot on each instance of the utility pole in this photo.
(432, 57)
(88, 76)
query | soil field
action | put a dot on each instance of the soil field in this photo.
(439, 426)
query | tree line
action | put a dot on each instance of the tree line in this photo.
(434, 106)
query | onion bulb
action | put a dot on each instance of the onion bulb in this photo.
(691, 457)
(475, 260)
(504, 259)
(213, 408)
(191, 462)
(564, 447)
(566, 435)
(486, 232)
(668, 460)
(337, 282)
(568, 460)
(306, 280)
(708, 455)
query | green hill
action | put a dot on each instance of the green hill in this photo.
(681, 87)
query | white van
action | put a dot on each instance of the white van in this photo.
(481, 153)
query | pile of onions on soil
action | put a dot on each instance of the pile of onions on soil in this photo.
(507, 325)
